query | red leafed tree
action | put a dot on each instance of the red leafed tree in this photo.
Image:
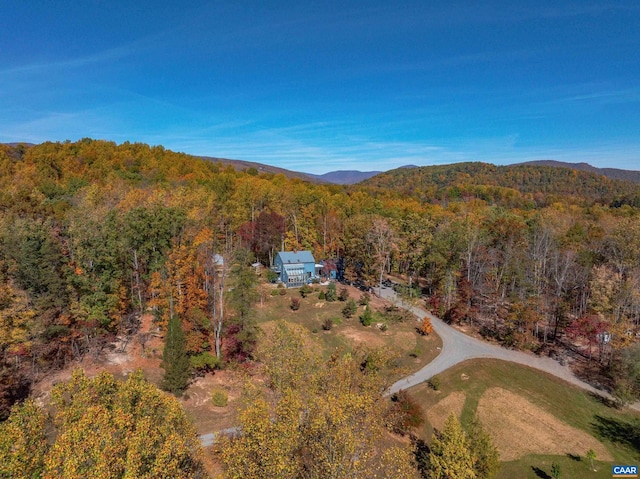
(588, 327)
(263, 235)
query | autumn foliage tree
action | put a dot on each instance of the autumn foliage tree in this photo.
(320, 418)
(104, 428)
(450, 455)
(425, 327)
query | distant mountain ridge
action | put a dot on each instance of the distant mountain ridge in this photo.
(345, 177)
(522, 185)
(613, 173)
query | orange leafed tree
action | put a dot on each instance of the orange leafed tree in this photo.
(425, 326)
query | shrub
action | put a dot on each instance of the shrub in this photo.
(366, 318)
(327, 324)
(384, 327)
(272, 276)
(344, 294)
(275, 292)
(415, 352)
(282, 291)
(219, 397)
(295, 304)
(306, 290)
(405, 413)
(365, 299)
(349, 309)
(434, 382)
(204, 361)
(321, 296)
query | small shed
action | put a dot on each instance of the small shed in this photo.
(296, 268)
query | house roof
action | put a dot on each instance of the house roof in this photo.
(293, 257)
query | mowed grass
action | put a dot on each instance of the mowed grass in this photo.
(617, 430)
(413, 350)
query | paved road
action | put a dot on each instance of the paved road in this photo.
(458, 347)
(210, 438)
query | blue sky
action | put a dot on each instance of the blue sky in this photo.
(317, 86)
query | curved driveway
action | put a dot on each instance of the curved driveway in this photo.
(458, 347)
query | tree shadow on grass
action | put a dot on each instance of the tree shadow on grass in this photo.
(620, 431)
(605, 401)
(574, 457)
(540, 473)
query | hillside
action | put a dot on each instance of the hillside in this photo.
(613, 173)
(252, 167)
(513, 184)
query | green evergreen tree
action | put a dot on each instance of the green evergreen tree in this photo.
(242, 298)
(350, 308)
(331, 294)
(450, 456)
(367, 316)
(175, 361)
(485, 454)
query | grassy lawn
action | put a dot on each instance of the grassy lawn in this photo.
(539, 467)
(617, 430)
(414, 351)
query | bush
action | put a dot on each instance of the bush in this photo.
(405, 414)
(219, 397)
(344, 294)
(434, 383)
(306, 290)
(365, 299)
(321, 296)
(349, 309)
(327, 324)
(295, 304)
(275, 292)
(272, 276)
(367, 317)
(415, 352)
(282, 291)
(204, 361)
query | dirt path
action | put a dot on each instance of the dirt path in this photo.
(458, 347)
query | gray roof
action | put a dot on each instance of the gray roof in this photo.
(292, 257)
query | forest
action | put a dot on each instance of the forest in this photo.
(92, 234)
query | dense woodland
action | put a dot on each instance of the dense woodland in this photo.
(92, 234)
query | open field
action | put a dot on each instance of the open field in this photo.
(414, 351)
(534, 419)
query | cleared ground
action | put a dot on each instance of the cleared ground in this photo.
(534, 419)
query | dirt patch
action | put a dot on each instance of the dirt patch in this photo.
(197, 401)
(519, 427)
(371, 339)
(439, 413)
(404, 341)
